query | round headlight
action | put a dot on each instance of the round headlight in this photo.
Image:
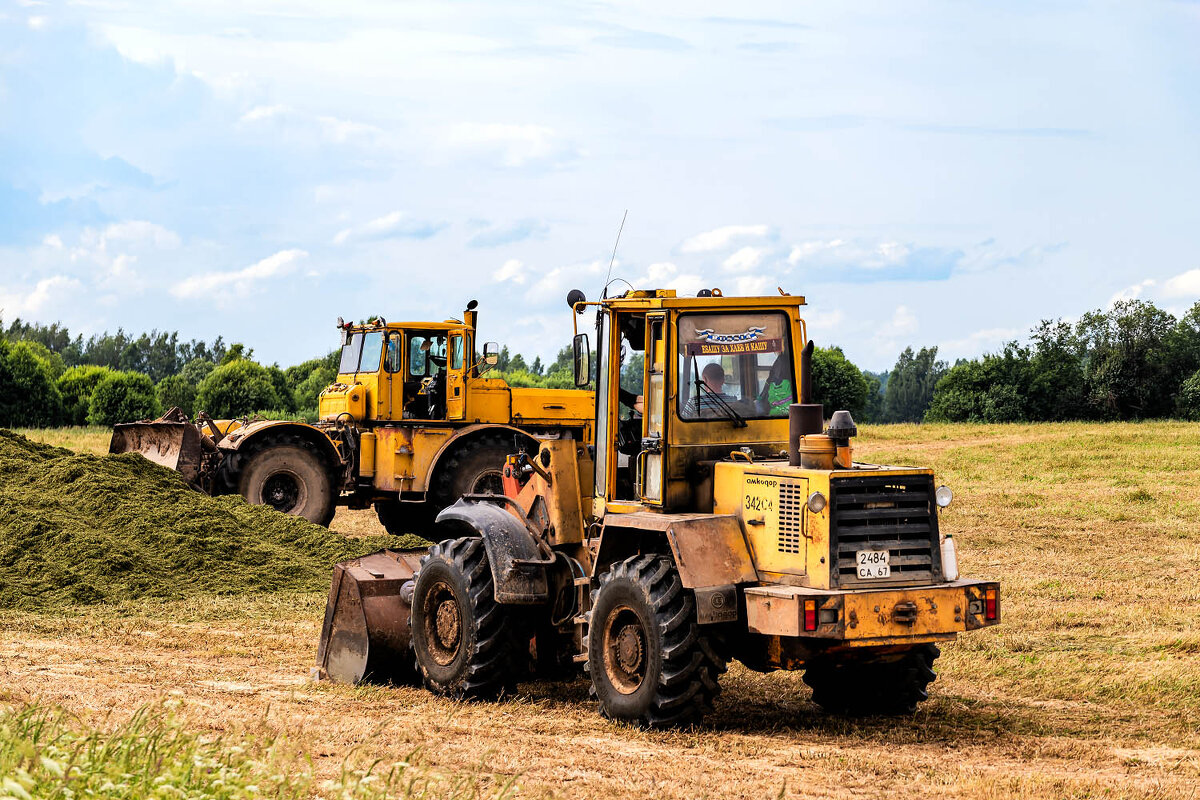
(816, 502)
(943, 496)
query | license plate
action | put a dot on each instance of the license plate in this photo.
(874, 564)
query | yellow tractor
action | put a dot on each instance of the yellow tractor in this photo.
(412, 422)
(717, 516)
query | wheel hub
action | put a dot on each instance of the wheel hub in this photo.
(624, 654)
(442, 628)
(281, 491)
(448, 623)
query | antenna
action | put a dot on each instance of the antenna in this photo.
(604, 293)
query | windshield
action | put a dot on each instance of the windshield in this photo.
(734, 365)
(350, 353)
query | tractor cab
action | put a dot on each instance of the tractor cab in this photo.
(402, 371)
(682, 383)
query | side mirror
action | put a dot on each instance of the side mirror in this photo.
(344, 331)
(491, 354)
(583, 359)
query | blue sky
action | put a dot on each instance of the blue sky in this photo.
(925, 173)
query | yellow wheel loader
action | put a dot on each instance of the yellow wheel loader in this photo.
(412, 422)
(715, 516)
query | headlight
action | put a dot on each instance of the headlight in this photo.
(816, 502)
(943, 496)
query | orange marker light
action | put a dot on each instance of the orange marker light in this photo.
(991, 603)
(810, 615)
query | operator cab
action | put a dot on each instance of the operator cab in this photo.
(685, 382)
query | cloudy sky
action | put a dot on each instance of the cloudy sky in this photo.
(925, 173)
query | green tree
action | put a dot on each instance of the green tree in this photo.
(197, 370)
(910, 385)
(123, 397)
(1129, 370)
(76, 386)
(838, 384)
(177, 391)
(991, 389)
(237, 388)
(1057, 384)
(1187, 403)
(28, 394)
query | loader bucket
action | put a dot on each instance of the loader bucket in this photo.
(171, 440)
(365, 636)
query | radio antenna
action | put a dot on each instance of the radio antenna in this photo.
(604, 294)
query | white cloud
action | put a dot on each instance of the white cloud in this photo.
(511, 145)
(53, 241)
(512, 270)
(38, 23)
(264, 112)
(344, 130)
(1186, 284)
(839, 252)
(721, 238)
(395, 224)
(986, 340)
(239, 282)
(665, 275)
(15, 304)
(753, 285)
(746, 258)
(140, 232)
(1135, 291)
(903, 322)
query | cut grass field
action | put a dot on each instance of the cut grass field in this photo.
(1089, 688)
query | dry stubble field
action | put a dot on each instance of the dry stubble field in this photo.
(1090, 688)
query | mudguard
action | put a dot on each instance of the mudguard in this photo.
(518, 567)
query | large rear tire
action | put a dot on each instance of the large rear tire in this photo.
(649, 660)
(467, 645)
(887, 685)
(291, 478)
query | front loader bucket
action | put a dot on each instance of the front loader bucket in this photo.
(365, 636)
(175, 444)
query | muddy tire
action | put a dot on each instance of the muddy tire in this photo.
(401, 518)
(467, 645)
(291, 477)
(648, 659)
(862, 687)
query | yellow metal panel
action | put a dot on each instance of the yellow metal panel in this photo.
(555, 406)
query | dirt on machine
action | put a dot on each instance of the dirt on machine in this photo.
(412, 422)
(716, 515)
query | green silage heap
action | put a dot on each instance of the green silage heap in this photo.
(98, 529)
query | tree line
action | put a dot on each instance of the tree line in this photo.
(1131, 361)
(48, 378)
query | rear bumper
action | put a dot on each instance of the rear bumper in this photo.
(874, 617)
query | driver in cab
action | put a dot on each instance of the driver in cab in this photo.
(709, 394)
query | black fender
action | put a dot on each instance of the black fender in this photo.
(518, 567)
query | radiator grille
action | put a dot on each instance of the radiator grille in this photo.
(791, 517)
(886, 512)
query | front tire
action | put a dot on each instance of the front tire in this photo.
(466, 643)
(649, 660)
(292, 479)
(861, 687)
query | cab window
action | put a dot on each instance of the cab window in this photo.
(372, 351)
(351, 350)
(426, 354)
(391, 360)
(456, 352)
(734, 363)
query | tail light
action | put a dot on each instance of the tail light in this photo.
(991, 603)
(810, 615)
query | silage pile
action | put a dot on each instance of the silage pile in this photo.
(96, 529)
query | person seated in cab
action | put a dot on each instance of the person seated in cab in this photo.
(707, 400)
(777, 394)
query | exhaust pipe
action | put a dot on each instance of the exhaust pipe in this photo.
(805, 417)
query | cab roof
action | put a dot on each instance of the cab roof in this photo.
(667, 298)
